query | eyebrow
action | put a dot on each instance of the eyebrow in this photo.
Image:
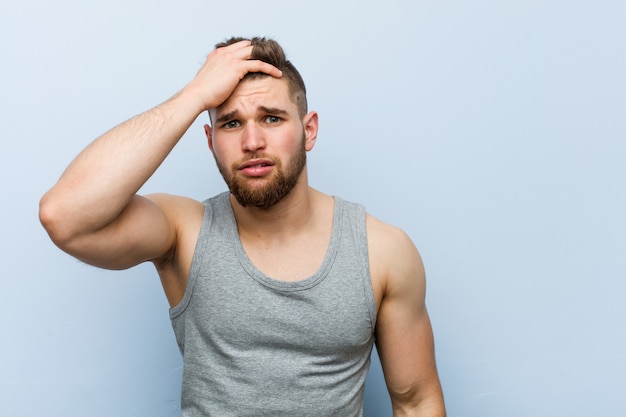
(233, 114)
(272, 110)
(226, 116)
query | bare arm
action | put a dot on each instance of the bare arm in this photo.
(93, 211)
(404, 335)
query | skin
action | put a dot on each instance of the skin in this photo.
(94, 213)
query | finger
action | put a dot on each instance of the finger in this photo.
(238, 46)
(238, 50)
(260, 66)
(244, 53)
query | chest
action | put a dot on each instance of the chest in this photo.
(288, 261)
(315, 293)
(320, 319)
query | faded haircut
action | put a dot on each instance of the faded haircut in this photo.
(270, 51)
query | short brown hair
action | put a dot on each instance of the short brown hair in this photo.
(270, 51)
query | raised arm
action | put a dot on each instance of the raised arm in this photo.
(404, 337)
(93, 211)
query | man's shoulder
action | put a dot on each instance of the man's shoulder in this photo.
(392, 251)
(383, 237)
(175, 203)
(385, 233)
(185, 216)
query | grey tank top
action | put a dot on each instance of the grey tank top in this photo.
(256, 346)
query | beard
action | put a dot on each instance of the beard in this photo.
(264, 192)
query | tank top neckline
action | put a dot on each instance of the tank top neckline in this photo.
(263, 279)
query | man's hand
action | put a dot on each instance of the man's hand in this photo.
(222, 71)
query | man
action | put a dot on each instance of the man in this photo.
(276, 289)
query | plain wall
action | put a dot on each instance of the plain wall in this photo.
(492, 132)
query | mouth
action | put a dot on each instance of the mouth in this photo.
(256, 167)
(256, 163)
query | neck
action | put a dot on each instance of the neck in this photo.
(293, 212)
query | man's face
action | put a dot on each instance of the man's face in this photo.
(259, 142)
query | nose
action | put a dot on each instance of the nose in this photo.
(253, 139)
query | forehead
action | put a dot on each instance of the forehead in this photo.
(251, 94)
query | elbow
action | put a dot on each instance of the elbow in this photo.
(54, 220)
(418, 401)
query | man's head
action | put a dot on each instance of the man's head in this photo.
(262, 131)
(270, 51)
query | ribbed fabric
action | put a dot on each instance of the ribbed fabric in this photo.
(256, 346)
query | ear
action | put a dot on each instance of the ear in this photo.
(310, 123)
(209, 135)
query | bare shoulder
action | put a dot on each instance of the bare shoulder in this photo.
(177, 205)
(395, 262)
(185, 218)
(388, 236)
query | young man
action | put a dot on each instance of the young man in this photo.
(277, 290)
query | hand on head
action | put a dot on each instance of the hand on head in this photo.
(222, 71)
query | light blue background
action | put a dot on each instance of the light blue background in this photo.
(493, 132)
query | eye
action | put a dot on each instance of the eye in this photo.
(272, 119)
(231, 124)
